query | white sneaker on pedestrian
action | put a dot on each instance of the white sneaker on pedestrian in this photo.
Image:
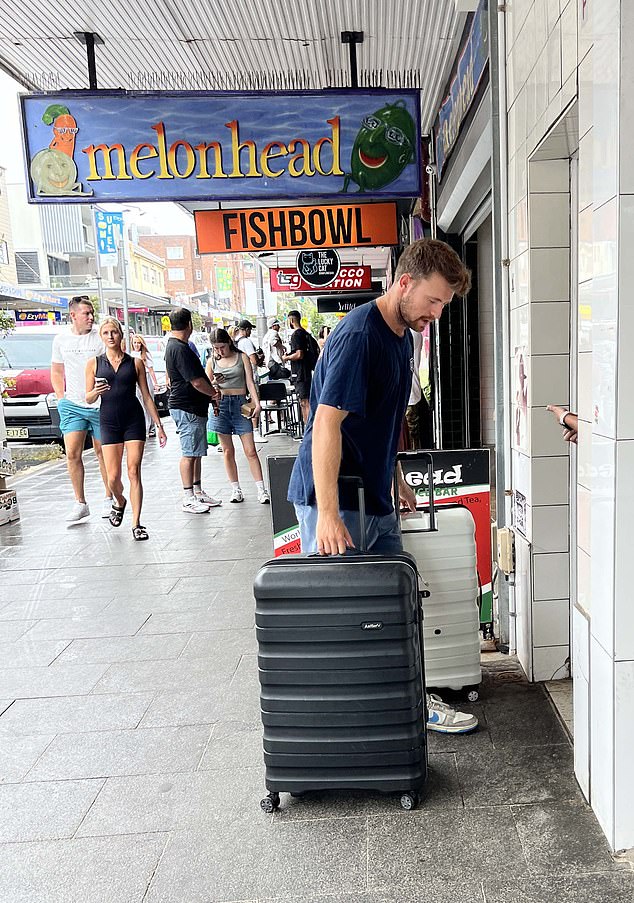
(80, 511)
(208, 500)
(442, 718)
(219, 448)
(193, 506)
(106, 508)
(263, 497)
(237, 496)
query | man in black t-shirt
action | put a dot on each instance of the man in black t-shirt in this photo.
(302, 372)
(190, 394)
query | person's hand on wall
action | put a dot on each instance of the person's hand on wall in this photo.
(567, 419)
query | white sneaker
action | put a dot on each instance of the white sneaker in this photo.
(442, 718)
(263, 497)
(219, 449)
(208, 500)
(80, 511)
(193, 506)
(106, 507)
(237, 496)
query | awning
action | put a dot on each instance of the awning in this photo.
(16, 297)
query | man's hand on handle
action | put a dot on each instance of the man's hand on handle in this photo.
(406, 496)
(333, 537)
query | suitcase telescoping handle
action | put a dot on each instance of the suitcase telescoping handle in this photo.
(428, 459)
(358, 482)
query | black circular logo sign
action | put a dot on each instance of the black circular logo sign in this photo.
(318, 268)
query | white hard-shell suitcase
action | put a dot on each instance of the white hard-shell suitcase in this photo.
(442, 540)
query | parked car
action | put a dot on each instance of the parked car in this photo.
(30, 405)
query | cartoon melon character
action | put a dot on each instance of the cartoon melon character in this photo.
(53, 169)
(382, 149)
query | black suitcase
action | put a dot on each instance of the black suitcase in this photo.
(341, 674)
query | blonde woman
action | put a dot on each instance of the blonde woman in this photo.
(141, 350)
(113, 377)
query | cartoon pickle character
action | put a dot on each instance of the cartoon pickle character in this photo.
(53, 169)
(382, 149)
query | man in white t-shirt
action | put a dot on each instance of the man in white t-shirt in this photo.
(72, 350)
(244, 342)
(273, 349)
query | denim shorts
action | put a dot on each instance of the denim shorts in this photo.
(229, 421)
(76, 418)
(192, 432)
(383, 536)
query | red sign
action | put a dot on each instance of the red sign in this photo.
(349, 278)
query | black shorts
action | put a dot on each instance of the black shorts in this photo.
(302, 387)
(117, 433)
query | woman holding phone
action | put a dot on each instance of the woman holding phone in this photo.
(230, 369)
(113, 377)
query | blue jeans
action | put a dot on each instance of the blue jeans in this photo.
(383, 536)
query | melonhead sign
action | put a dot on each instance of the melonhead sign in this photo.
(212, 146)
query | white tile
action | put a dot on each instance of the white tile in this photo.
(623, 746)
(584, 29)
(568, 41)
(551, 577)
(550, 380)
(623, 533)
(586, 90)
(549, 481)
(625, 333)
(545, 433)
(523, 601)
(553, 62)
(605, 61)
(550, 274)
(584, 581)
(584, 519)
(602, 505)
(626, 127)
(581, 643)
(585, 407)
(553, 110)
(584, 455)
(549, 220)
(551, 622)
(550, 528)
(569, 91)
(584, 317)
(521, 473)
(551, 663)
(547, 176)
(585, 171)
(602, 737)
(550, 326)
(581, 707)
(541, 86)
(585, 262)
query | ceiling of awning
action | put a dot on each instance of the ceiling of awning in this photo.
(234, 45)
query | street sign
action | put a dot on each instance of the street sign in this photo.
(295, 228)
(109, 229)
(165, 324)
(318, 268)
(287, 279)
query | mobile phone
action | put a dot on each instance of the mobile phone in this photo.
(100, 381)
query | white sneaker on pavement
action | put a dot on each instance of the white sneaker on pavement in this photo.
(80, 511)
(442, 718)
(263, 497)
(208, 500)
(106, 507)
(237, 496)
(193, 506)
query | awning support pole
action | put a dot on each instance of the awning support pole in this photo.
(352, 38)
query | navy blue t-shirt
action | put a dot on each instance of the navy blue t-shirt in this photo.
(365, 369)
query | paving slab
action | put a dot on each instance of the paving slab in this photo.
(432, 892)
(205, 705)
(85, 870)
(57, 680)
(99, 625)
(137, 677)
(585, 888)
(25, 652)
(124, 649)
(104, 753)
(75, 714)
(46, 811)
(19, 754)
(13, 630)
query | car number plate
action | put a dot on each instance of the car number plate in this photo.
(17, 432)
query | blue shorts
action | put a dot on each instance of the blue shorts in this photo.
(192, 432)
(75, 418)
(229, 421)
(383, 536)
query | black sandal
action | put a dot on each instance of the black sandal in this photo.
(139, 533)
(116, 515)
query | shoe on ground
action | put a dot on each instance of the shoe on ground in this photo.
(208, 500)
(237, 496)
(263, 497)
(445, 720)
(193, 506)
(106, 508)
(80, 511)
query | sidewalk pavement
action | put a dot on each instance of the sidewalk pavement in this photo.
(130, 744)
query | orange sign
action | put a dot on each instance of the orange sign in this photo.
(293, 228)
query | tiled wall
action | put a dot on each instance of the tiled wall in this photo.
(558, 50)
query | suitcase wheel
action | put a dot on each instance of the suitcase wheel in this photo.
(409, 801)
(271, 802)
(473, 695)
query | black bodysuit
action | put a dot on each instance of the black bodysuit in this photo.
(121, 416)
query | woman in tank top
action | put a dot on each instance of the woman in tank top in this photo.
(113, 377)
(231, 371)
(141, 350)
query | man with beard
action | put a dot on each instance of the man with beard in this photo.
(360, 391)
